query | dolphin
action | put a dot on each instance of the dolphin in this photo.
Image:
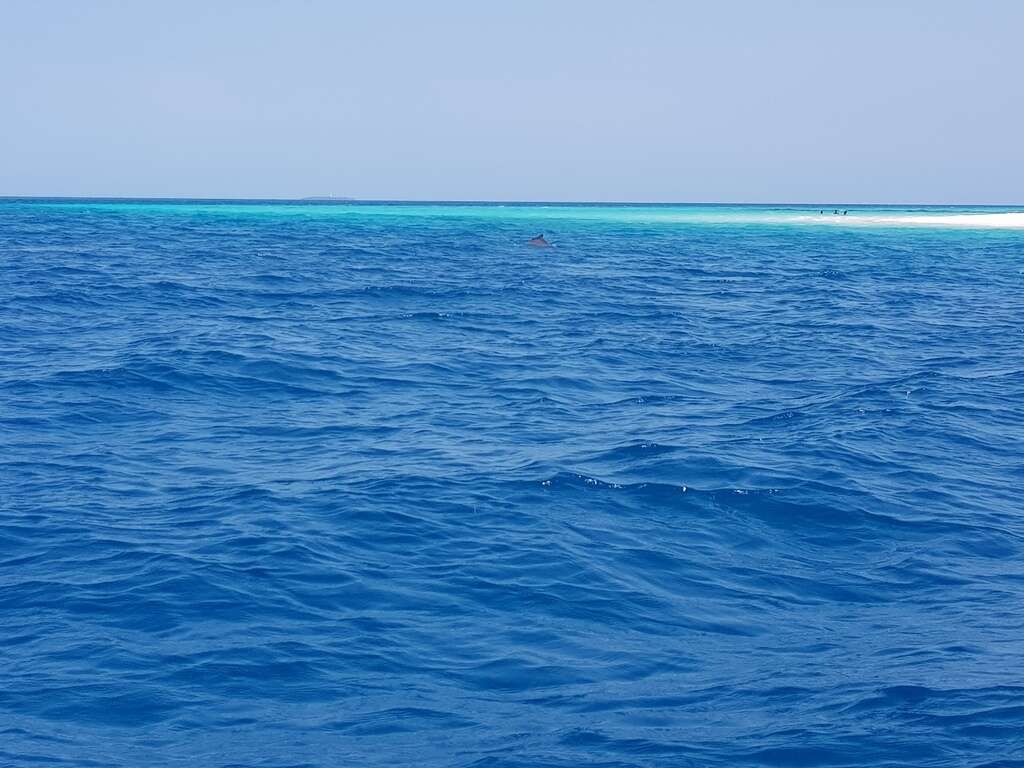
(539, 241)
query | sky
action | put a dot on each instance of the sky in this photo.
(638, 100)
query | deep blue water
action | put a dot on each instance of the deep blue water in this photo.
(320, 485)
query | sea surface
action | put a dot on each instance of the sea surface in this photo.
(321, 484)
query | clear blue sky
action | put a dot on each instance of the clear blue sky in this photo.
(864, 100)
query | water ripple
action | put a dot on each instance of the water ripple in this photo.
(374, 485)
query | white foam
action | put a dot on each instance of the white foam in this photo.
(999, 220)
(855, 218)
(1009, 220)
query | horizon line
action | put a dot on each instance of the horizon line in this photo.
(468, 201)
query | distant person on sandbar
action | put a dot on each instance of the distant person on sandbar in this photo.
(539, 241)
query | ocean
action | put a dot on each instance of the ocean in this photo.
(376, 484)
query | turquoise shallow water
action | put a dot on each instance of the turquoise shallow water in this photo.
(621, 213)
(295, 484)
